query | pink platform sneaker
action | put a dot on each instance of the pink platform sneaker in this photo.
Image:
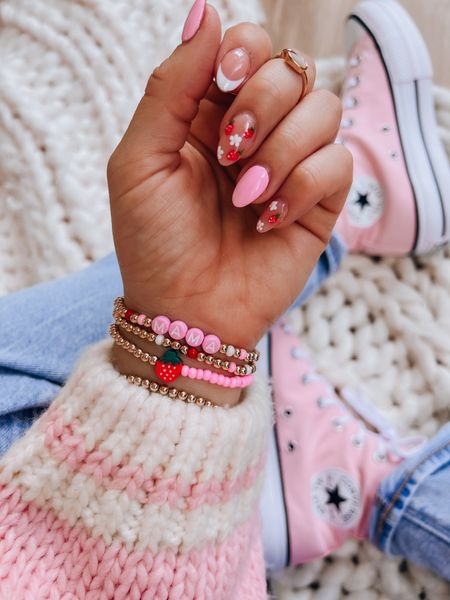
(331, 463)
(399, 202)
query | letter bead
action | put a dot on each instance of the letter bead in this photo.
(194, 337)
(211, 344)
(178, 330)
(160, 324)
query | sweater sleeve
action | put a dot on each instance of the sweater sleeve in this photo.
(118, 493)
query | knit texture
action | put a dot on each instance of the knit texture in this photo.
(116, 493)
(70, 75)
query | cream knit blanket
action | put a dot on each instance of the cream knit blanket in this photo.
(71, 73)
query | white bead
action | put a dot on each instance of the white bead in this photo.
(230, 350)
(159, 339)
(248, 369)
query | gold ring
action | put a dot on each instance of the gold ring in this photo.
(298, 63)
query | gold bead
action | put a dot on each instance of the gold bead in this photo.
(147, 322)
(190, 398)
(173, 393)
(201, 357)
(209, 360)
(166, 343)
(152, 360)
(184, 349)
(146, 357)
(237, 353)
(146, 384)
(175, 345)
(164, 390)
(217, 362)
(226, 365)
(126, 345)
(151, 337)
(132, 348)
(137, 353)
(200, 401)
(138, 380)
(130, 379)
(209, 403)
(182, 395)
(133, 318)
(154, 387)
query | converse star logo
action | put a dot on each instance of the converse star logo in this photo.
(362, 201)
(336, 498)
(365, 202)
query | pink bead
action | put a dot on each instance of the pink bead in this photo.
(234, 382)
(214, 378)
(220, 380)
(141, 319)
(232, 368)
(227, 382)
(160, 324)
(192, 373)
(211, 344)
(243, 354)
(178, 330)
(207, 375)
(200, 373)
(185, 371)
(194, 337)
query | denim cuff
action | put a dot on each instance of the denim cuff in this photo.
(408, 505)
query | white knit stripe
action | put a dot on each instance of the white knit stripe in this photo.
(132, 424)
(50, 484)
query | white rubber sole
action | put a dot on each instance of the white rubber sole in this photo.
(410, 72)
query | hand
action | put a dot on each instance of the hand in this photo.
(184, 249)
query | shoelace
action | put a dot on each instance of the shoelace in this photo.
(389, 443)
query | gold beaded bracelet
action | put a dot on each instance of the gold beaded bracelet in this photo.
(164, 390)
(120, 310)
(166, 342)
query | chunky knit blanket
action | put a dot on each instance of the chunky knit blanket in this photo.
(71, 73)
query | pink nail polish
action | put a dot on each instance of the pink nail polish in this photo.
(272, 216)
(233, 69)
(193, 21)
(236, 139)
(250, 186)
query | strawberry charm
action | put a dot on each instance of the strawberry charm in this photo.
(233, 155)
(249, 133)
(168, 367)
(273, 218)
(229, 128)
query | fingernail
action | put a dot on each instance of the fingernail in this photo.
(237, 137)
(250, 186)
(273, 215)
(193, 21)
(233, 69)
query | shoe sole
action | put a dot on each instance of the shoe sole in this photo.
(410, 72)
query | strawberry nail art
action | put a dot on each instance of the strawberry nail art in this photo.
(273, 215)
(236, 139)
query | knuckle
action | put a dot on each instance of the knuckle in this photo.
(308, 180)
(250, 36)
(345, 158)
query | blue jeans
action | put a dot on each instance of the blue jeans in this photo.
(45, 328)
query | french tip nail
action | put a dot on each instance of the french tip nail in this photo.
(193, 20)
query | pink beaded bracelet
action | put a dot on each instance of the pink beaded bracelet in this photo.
(178, 330)
(193, 353)
(170, 366)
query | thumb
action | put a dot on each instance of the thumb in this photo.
(161, 123)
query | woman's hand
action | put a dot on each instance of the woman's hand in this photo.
(184, 249)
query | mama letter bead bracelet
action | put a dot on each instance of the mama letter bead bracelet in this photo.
(170, 366)
(193, 353)
(178, 330)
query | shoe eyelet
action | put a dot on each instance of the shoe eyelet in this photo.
(347, 123)
(393, 154)
(287, 412)
(355, 61)
(351, 102)
(386, 129)
(297, 353)
(291, 446)
(337, 425)
(357, 441)
(353, 82)
(339, 141)
(320, 402)
(380, 456)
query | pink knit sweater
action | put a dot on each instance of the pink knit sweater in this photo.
(115, 493)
